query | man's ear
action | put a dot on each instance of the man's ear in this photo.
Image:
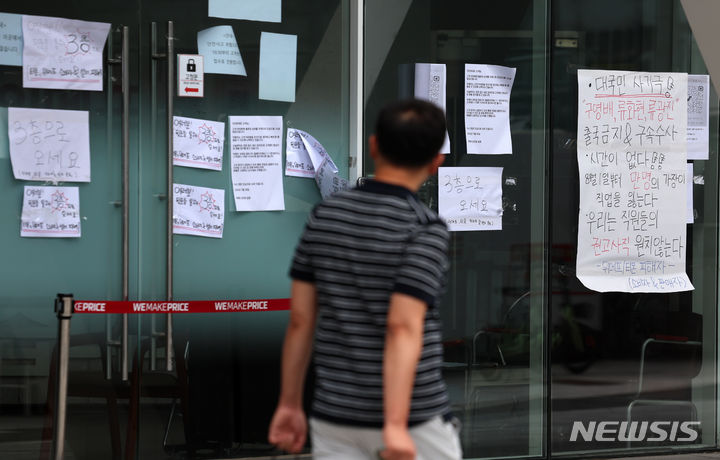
(435, 163)
(373, 144)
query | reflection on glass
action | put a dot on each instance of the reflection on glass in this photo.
(642, 364)
(493, 308)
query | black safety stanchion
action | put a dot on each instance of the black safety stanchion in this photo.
(64, 309)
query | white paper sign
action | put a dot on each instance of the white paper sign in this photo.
(256, 161)
(698, 122)
(63, 53)
(430, 85)
(632, 136)
(198, 143)
(470, 198)
(328, 180)
(306, 157)
(198, 211)
(50, 212)
(191, 75)
(49, 145)
(487, 108)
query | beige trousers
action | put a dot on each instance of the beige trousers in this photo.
(435, 439)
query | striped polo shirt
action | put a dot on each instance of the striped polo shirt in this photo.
(359, 247)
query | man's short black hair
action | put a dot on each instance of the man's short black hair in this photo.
(410, 132)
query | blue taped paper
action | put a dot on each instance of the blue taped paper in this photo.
(278, 61)
(220, 49)
(251, 10)
(11, 44)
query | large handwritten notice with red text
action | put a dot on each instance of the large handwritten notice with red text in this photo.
(632, 154)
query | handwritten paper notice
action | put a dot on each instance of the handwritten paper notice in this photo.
(198, 211)
(632, 158)
(220, 48)
(11, 40)
(698, 123)
(251, 10)
(63, 53)
(487, 108)
(50, 212)
(470, 198)
(49, 145)
(306, 157)
(256, 161)
(278, 62)
(198, 143)
(328, 180)
(430, 85)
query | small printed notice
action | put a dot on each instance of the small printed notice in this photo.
(191, 77)
(50, 212)
(220, 49)
(278, 61)
(487, 108)
(306, 157)
(632, 138)
(63, 53)
(698, 121)
(256, 161)
(198, 211)
(11, 40)
(198, 143)
(470, 198)
(251, 10)
(49, 145)
(430, 85)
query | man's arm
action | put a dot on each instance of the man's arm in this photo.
(403, 345)
(288, 429)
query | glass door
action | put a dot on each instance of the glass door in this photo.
(223, 405)
(493, 310)
(34, 270)
(635, 358)
(220, 394)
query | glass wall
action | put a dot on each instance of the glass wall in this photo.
(493, 311)
(218, 400)
(530, 353)
(616, 356)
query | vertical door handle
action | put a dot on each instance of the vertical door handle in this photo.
(169, 268)
(169, 56)
(124, 62)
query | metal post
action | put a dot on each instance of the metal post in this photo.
(169, 267)
(357, 97)
(126, 191)
(64, 309)
(109, 342)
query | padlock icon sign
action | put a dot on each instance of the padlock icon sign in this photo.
(191, 65)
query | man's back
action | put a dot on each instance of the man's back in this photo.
(360, 247)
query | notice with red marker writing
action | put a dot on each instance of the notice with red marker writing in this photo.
(63, 53)
(198, 211)
(50, 212)
(632, 159)
(198, 143)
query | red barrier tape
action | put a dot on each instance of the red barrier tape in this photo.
(191, 306)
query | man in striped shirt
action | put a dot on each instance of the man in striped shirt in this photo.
(367, 278)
